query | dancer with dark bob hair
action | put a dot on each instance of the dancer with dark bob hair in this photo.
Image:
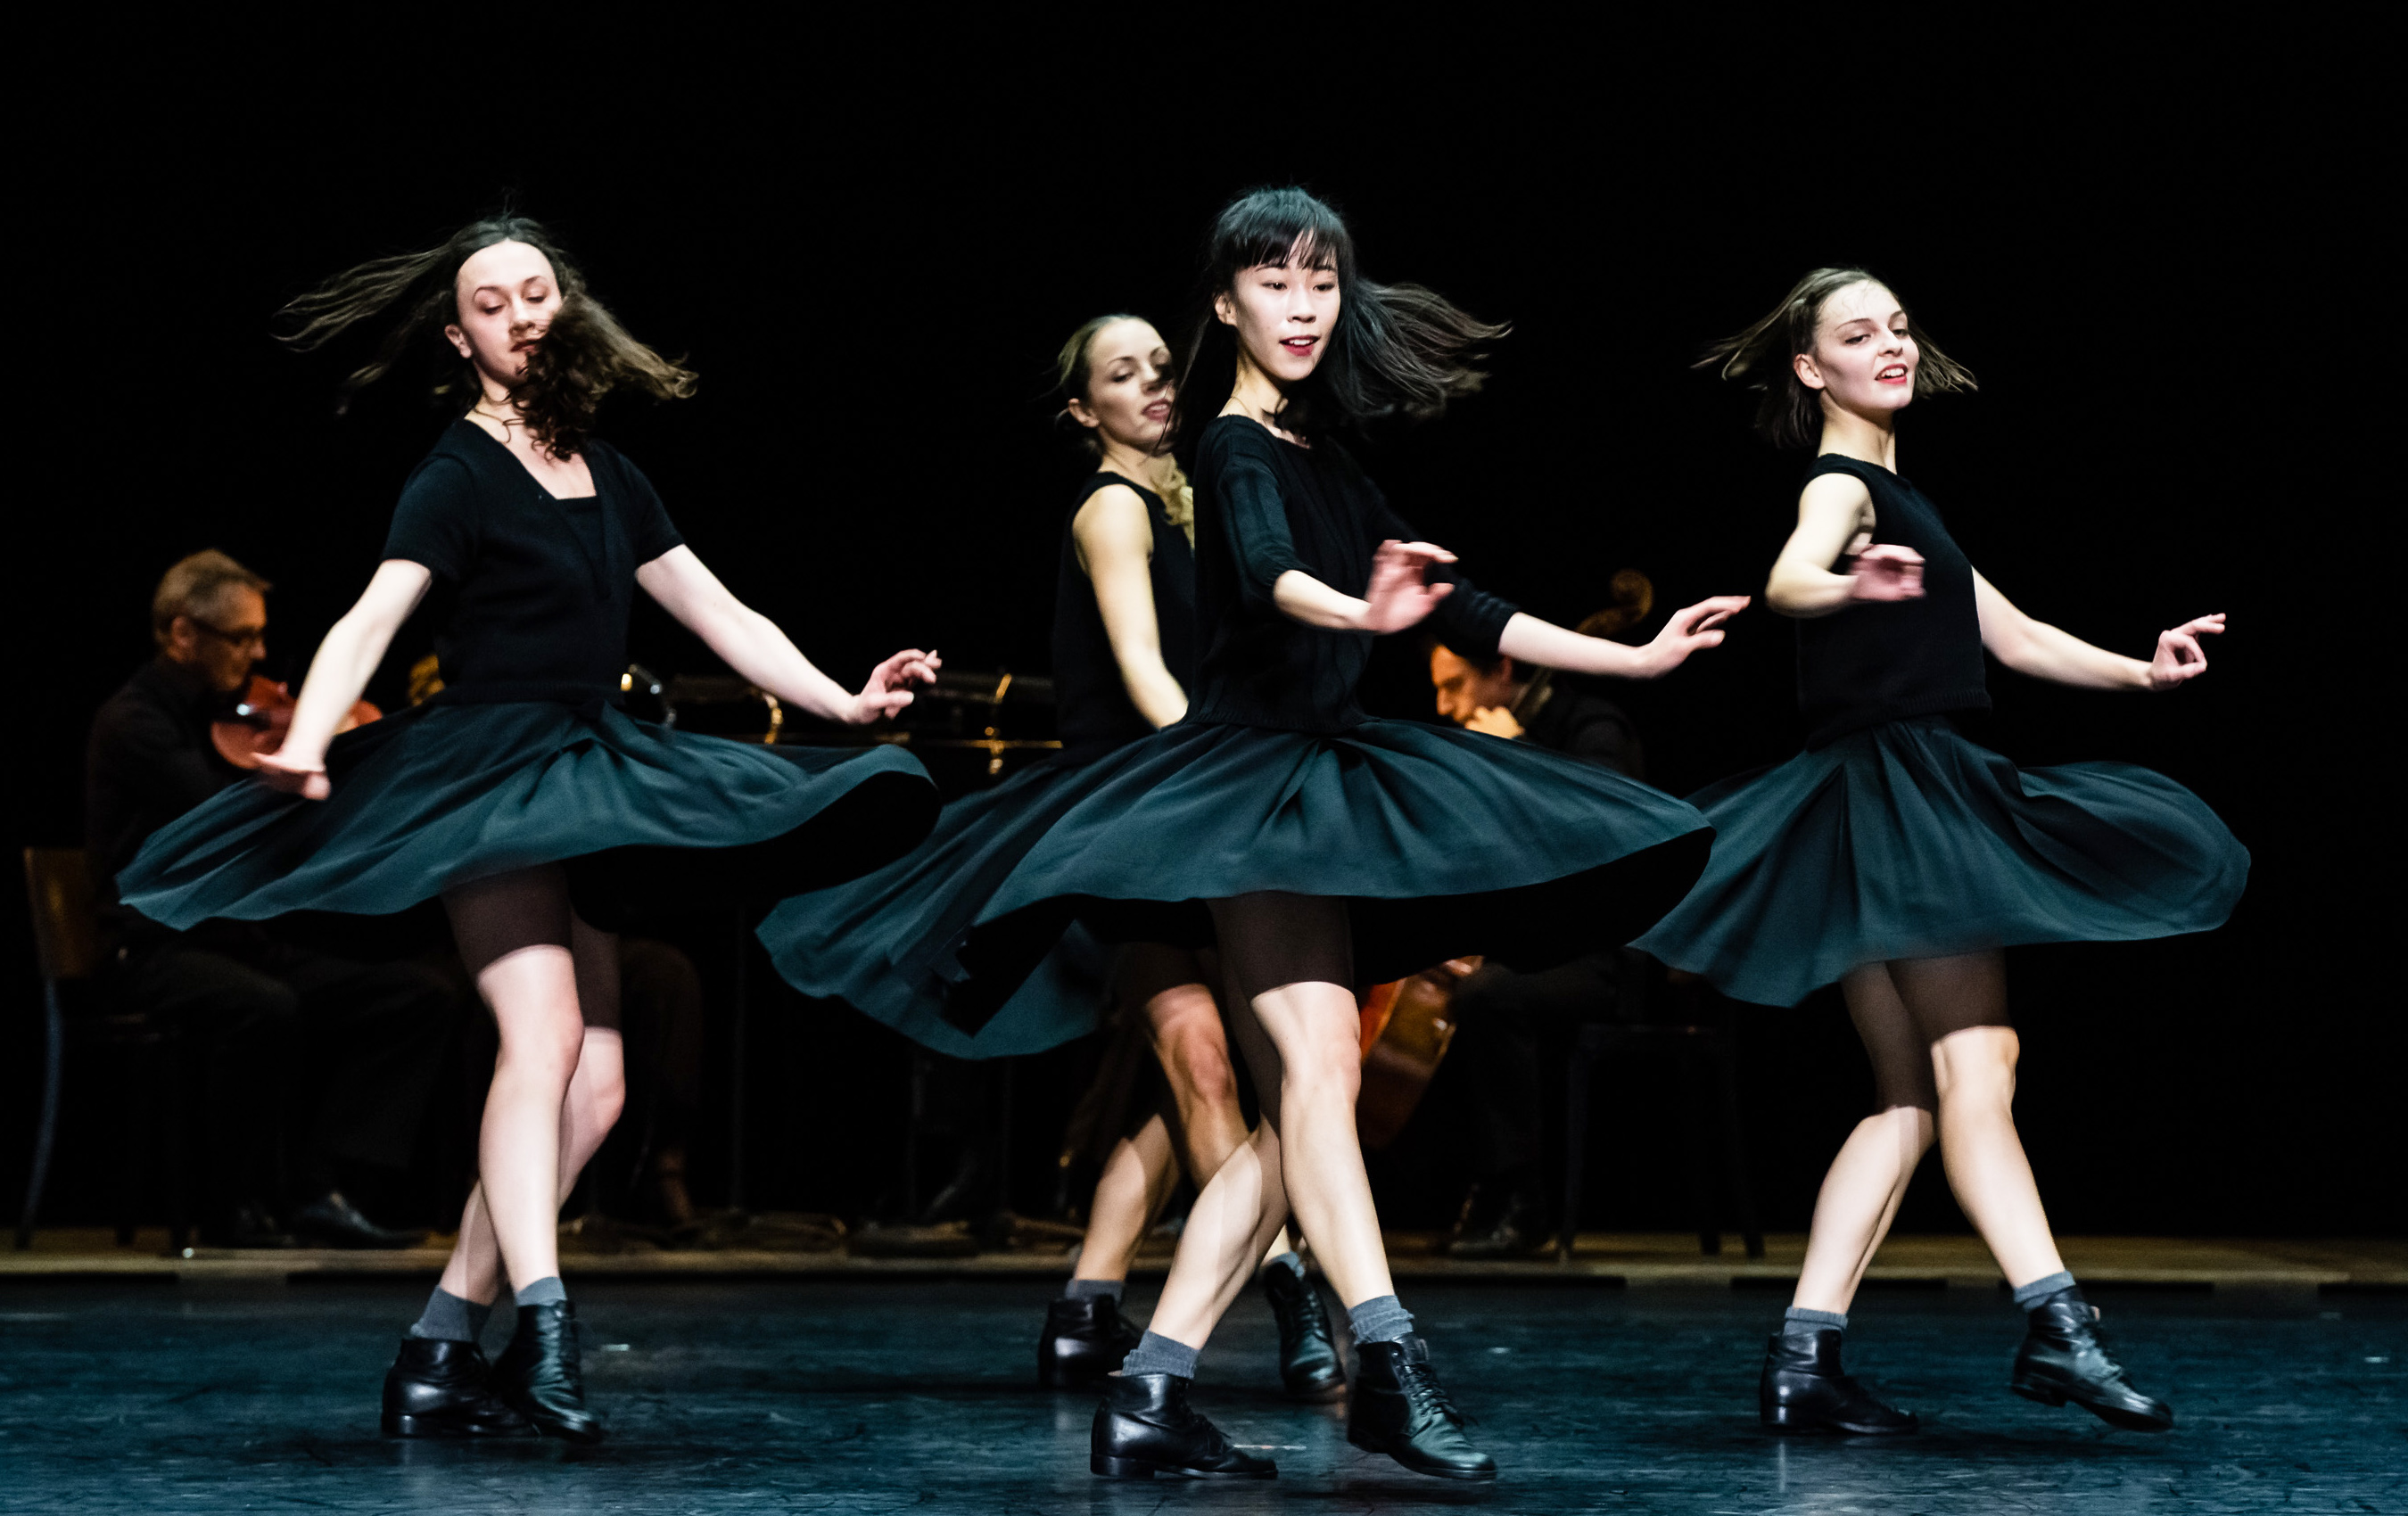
(1898, 858)
(1123, 661)
(1319, 847)
(522, 796)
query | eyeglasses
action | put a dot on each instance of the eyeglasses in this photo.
(253, 636)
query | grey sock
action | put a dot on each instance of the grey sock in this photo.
(1286, 1260)
(1090, 1289)
(1380, 1319)
(1800, 1316)
(1157, 1354)
(2031, 1295)
(547, 1291)
(450, 1318)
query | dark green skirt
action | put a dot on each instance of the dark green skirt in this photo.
(1910, 841)
(647, 819)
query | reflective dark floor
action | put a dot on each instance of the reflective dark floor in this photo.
(884, 1396)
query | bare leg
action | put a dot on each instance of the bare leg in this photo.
(1860, 1195)
(1136, 1181)
(517, 906)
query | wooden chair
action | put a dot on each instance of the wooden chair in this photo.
(1707, 1058)
(67, 948)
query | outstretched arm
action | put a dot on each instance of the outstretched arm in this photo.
(2044, 652)
(1115, 543)
(1530, 641)
(350, 652)
(753, 646)
(1396, 597)
(1835, 522)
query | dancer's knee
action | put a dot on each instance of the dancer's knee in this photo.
(1976, 1064)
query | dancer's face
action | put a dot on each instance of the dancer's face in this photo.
(1864, 359)
(506, 298)
(1284, 314)
(1128, 386)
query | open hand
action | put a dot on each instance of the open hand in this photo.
(2180, 658)
(309, 782)
(1398, 595)
(889, 689)
(1693, 627)
(1885, 571)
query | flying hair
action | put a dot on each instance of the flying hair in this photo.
(1395, 349)
(1790, 415)
(584, 356)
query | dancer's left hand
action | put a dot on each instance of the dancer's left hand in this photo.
(1692, 628)
(889, 687)
(2180, 658)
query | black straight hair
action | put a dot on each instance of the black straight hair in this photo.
(1395, 349)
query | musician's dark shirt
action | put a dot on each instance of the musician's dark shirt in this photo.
(1581, 722)
(150, 761)
(1264, 506)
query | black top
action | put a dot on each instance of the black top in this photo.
(150, 761)
(1264, 506)
(1092, 701)
(540, 587)
(1886, 661)
(1578, 721)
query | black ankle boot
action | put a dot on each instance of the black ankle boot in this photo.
(1309, 1366)
(1145, 1427)
(540, 1377)
(1805, 1390)
(2065, 1357)
(1398, 1407)
(1085, 1340)
(437, 1389)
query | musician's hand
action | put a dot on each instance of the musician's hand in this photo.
(308, 781)
(2180, 658)
(1496, 721)
(1398, 595)
(889, 688)
(1886, 572)
(1692, 628)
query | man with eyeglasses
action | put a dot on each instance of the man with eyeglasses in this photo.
(343, 1053)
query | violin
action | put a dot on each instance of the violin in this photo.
(261, 719)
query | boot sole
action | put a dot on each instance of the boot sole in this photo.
(1805, 1429)
(398, 1425)
(2050, 1394)
(1468, 1476)
(1140, 1468)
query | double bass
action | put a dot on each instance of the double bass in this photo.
(1407, 1025)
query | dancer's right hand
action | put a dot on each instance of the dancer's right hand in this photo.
(888, 689)
(309, 782)
(1692, 628)
(1398, 596)
(1885, 571)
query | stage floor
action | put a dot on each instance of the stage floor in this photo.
(888, 1394)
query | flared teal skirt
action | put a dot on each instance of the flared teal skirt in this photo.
(1908, 840)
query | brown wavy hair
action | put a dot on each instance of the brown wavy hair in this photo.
(584, 356)
(1791, 415)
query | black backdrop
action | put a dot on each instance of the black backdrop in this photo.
(2141, 245)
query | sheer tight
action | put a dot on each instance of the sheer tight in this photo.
(1204, 1125)
(559, 1082)
(1288, 961)
(1944, 1056)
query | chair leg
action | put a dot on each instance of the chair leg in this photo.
(1701, 1184)
(1735, 1149)
(133, 1135)
(174, 1167)
(45, 1135)
(1580, 1064)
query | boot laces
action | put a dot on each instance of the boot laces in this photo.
(1425, 1396)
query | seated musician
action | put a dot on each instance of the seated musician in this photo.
(1505, 1020)
(344, 1053)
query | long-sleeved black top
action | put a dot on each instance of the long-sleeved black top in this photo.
(1091, 702)
(1264, 506)
(1892, 660)
(148, 761)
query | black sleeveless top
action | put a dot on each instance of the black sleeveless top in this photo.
(1886, 661)
(1262, 507)
(538, 589)
(1092, 704)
